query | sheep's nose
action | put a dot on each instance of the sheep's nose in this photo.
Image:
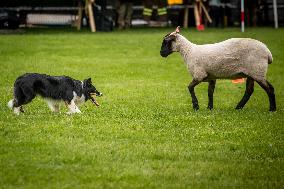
(163, 54)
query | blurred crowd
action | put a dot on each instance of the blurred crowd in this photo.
(125, 14)
(205, 12)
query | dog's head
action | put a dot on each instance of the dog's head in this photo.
(169, 43)
(90, 91)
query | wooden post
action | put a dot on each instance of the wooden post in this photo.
(91, 15)
(196, 14)
(185, 18)
(80, 10)
(275, 14)
(242, 16)
(205, 12)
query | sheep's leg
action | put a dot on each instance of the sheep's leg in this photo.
(270, 92)
(248, 93)
(192, 93)
(211, 88)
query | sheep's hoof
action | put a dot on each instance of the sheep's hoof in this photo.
(209, 107)
(196, 107)
(239, 107)
(272, 109)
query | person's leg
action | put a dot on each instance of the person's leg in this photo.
(148, 10)
(162, 10)
(121, 15)
(129, 11)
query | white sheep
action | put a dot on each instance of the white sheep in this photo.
(230, 59)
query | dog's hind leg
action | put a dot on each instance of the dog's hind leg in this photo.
(22, 95)
(16, 103)
(17, 110)
(29, 95)
(53, 105)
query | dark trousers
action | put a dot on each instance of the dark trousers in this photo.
(125, 10)
(148, 9)
(216, 15)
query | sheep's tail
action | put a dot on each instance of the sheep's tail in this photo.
(270, 58)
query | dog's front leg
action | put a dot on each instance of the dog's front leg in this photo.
(72, 107)
(17, 110)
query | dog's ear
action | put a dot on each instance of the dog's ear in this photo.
(87, 82)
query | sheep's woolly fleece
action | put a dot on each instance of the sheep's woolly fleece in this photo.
(224, 59)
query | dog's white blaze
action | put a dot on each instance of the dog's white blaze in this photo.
(78, 100)
(11, 104)
(53, 104)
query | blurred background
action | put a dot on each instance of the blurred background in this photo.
(124, 14)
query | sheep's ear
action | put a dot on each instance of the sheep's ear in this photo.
(175, 32)
(177, 29)
(171, 37)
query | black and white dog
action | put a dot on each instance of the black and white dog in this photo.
(54, 89)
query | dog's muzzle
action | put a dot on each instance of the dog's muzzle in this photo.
(93, 99)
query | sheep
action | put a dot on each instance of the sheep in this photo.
(230, 59)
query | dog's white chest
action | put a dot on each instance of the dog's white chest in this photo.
(78, 99)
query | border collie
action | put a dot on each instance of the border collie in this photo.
(53, 89)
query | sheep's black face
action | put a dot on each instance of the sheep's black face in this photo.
(166, 48)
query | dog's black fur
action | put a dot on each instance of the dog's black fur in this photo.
(27, 86)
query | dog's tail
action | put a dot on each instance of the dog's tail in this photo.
(11, 104)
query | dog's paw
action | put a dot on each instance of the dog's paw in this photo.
(69, 113)
(74, 112)
(17, 110)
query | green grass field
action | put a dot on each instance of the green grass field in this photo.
(145, 134)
